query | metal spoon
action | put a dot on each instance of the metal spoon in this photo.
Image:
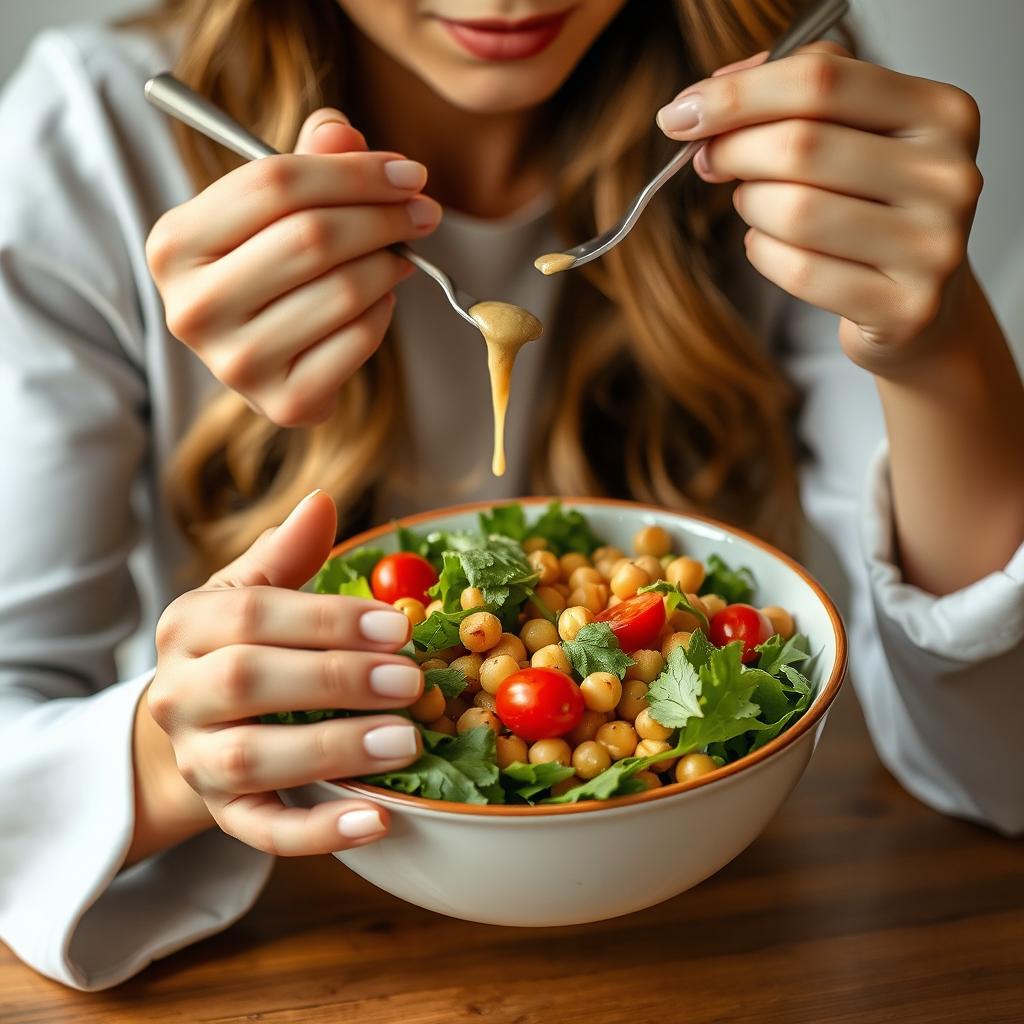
(818, 19)
(175, 98)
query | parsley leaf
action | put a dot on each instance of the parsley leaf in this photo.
(699, 650)
(440, 630)
(674, 697)
(734, 586)
(565, 530)
(595, 649)
(346, 569)
(450, 681)
(535, 778)
(508, 520)
(460, 768)
(776, 653)
(451, 582)
(676, 600)
(496, 565)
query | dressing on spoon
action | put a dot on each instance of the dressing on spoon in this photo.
(506, 329)
(554, 262)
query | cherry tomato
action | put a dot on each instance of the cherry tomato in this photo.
(402, 575)
(538, 703)
(740, 622)
(636, 622)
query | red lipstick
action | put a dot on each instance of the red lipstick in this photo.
(497, 39)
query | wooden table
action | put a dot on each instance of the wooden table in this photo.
(856, 905)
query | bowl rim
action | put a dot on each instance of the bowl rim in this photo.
(786, 739)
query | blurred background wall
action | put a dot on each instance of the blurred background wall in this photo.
(972, 43)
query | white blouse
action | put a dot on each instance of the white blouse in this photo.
(94, 396)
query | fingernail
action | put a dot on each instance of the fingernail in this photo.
(391, 742)
(423, 212)
(384, 627)
(360, 824)
(294, 511)
(700, 163)
(397, 681)
(683, 115)
(405, 174)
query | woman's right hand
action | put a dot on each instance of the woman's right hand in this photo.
(247, 644)
(277, 275)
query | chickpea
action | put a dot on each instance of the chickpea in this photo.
(442, 724)
(606, 567)
(601, 691)
(553, 602)
(614, 600)
(480, 631)
(647, 666)
(546, 751)
(412, 609)
(434, 606)
(684, 621)
(538, 633)
(565, 785)
(619, 738)
(485, 700)
(509, 750)
(587, 729)
(584, 574)
(572, 620)
(628, 580)
(546, 563)
(608, 552)
(713, 604)
(455, 706)
(673, 641)
(590, 759)
(433, 663)
(532, 544)
(572, 561)
(693, 766)
(495, 670)
(648, 748)
(651, 566)
(469, 666)
(562, 588)
(633, 701)
(685, 573)
(472, 597)
(649, 779)
(429, 707)
(652, 540)
(619, 563)
(509, 644)
(781, 620)
(475, 717)
(592, 596)
(551, 656)
(648, 728)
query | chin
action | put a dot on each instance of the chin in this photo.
(488, 91)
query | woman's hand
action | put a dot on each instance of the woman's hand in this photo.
(859, 185)
(247, 644)
(277, 275)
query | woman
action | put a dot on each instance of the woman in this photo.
(169, 412)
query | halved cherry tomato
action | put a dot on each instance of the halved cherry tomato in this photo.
(636, 622)
(402, 575)
(740, 622)
(538, 703)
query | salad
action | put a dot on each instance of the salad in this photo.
(558, 668)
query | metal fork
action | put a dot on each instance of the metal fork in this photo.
(175, 98)
(812, 24)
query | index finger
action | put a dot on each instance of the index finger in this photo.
(818, 83)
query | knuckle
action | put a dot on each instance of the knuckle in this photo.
(248, 609)
(161, 246)
(234, 676)
(161, 704)
(235, 764)
(800, 272)
(313, 236)
(945, 249)
(802, 141)
(964, 183)
(335, 678)
(798, 209)
(188, 767)
(960, 110)
(168, 627)
(235, 366)
(819, 77)
(275, 175)
(289, 409)
(730, 98)
(921, 307)
(188, 319)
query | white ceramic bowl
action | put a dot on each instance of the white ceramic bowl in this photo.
(565, 864)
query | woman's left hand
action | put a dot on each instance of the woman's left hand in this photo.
(859, 185)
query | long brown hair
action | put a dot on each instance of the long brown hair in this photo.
(669, 397)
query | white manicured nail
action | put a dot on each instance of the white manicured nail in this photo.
(405, 173)
(396, 681)
(384, 627)
(360, 824)
(391, 742)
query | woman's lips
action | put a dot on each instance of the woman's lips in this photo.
(493, 39)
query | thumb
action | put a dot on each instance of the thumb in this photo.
(286, 555)
(328, 131)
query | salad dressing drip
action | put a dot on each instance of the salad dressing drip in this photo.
(506, 329)
(554, 262)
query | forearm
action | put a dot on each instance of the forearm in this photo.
(167, 810)
(955, 423)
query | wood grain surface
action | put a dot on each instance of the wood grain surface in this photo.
(856, 906)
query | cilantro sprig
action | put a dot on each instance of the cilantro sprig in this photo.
(595, 649)
(734, 586)
(676, 600)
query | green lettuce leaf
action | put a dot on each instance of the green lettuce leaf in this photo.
(616, 780)
(535, 778)
(346, 569)
(775, 653)
(734, 586)
(359, 587)
(565, 530)
(507, 520)
(595, 649)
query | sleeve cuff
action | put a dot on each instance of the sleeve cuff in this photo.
(981, 621)
(68, 793)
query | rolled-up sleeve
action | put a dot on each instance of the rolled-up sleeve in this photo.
(74, 450)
